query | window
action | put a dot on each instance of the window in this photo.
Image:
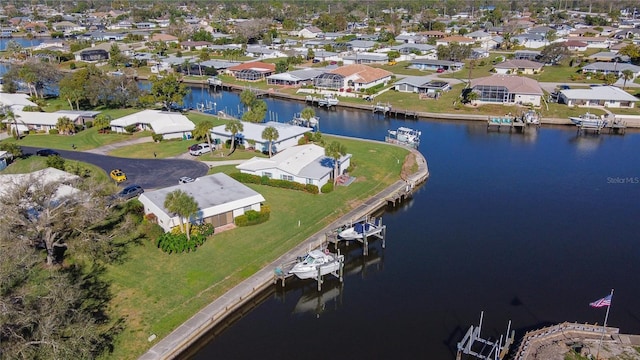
(246, 208)
(286, 177)
(267, 174)
(310, 181)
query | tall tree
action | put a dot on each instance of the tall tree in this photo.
(102, 122)
(167, 90)
(234, 127)
(183, 205)
(335, 150)
(307, 113)
(270, 134)
(247, 98)
(10, 115)
(203, 130)
(626, 75)
(257, 112)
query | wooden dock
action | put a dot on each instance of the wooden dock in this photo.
(506, 122)
(617, 127)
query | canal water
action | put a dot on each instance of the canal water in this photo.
(525, 227)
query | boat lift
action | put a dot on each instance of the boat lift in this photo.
(282, 272)
(473, 344)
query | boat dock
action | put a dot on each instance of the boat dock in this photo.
(377, 231)
(473, 344)
(283, 272)
(171, 345)
(328, 102)
(506, 122)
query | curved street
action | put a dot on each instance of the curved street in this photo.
(148, 173)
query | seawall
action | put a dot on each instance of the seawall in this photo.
(198, 325)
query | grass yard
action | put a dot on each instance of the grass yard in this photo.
(34, 163)
(84, 140)
(157, 292)
(163, 149)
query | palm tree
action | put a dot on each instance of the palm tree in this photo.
(270, 133)
(187, 65)
(12, 117)
(103, 121)
(626, 75)
(335, 150)
(307, 113)
(234, 127)
(65, 125)
(610, 78)
(247, 98)
(203, 129)
(182, 204)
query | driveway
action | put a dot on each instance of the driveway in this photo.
(148, 173)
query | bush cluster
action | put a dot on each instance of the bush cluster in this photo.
(156, 137)
(327, 188)
(53, 132)
(253, 217)
(178, 243)
(283, 184)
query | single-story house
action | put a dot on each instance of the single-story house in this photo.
(611, 68)
(455, 39)
(92, 55)
(361, 45)
(251, 71)
(607, 96)
(304, 164)
(264, 52)
(288, 135)
(532, 41)
(418, 49)
(15, 101)
(195, 45)
(527, 67)
(309, 32)
(506, 89)
(322, 55)
(38, 121)
(45, 176)
(576, 45)
(220, 200)
(427, 64)
(171, 125)
(365, 58)
(80, 116)
(526, 55)
(421, 85)
(294, 78)
(609, 56)
(355, 76)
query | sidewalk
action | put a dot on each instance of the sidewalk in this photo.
(104, 150)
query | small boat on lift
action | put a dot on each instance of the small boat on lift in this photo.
(589, 120)
(361, 229)
(531, 117)
(325, 261)
(404, 136)
(300, 121)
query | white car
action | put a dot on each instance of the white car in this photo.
(199, 149)
(185, 180)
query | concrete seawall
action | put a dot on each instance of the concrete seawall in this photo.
(186, 334)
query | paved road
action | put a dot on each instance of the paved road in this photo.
(148, 173)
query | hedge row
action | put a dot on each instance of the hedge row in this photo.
(253, 217)
(284, 184)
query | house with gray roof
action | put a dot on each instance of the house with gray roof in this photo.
(220, 200)
(508, 90)
(365, 58)
(421, 85)
(611, 68)
(606, 96)
(295, 78)
(288, 135)
(411, 48)
(433, 65)
(527, 67)
(304, 164)
(361, 45)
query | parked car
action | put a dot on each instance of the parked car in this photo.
(199, 149)
(185, 180)
(118, 175)
(130, 192)
(565, 87)
(440, 70)
(47, 152)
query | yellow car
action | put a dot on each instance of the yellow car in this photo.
(118, 175)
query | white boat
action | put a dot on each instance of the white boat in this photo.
(300, 121)
(358, 231)
(328, 100)
(589, 120)
(324, 260)
(531, 117)
(404, 135)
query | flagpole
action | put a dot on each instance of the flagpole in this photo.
(606, 317)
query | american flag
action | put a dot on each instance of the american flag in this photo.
(605, 301)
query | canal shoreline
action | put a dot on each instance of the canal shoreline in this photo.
(179, 340)
(632, 121)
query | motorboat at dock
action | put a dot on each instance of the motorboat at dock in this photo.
(405, 136)
(317, 261)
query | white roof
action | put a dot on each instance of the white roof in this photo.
(306, 161)
(162, 122)
(38, 118)
(254, 130)
(15, 100)
(599, 93)
(45, 176)
(218, 192)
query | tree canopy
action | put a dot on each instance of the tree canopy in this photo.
(270, 134)
(183, 205)
(167, 90)
(335, 150)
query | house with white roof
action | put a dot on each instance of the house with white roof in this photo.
(15, 101)
(611, 68)
(171, 125)
(220, 200)
(294, 78)
(45, 176)
(607, 96)
(304, 164)
(309, 32)
(288, 135)
(38, 121)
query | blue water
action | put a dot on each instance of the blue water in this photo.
(24, 42)
(528, 228)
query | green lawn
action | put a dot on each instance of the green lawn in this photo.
(157, 292)
(163, 149)
(84, 140)
(35, 163)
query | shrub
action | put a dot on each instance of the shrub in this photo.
(88, 124)
(310, 188)
(253, 217)
(72, 66)
(31, 108)
(178, 243)
(131, 128)
(156, 137)
(327, 188)
(53, 131)
(264, 180)
(56, 162)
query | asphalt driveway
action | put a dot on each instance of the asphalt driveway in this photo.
(148, 173)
